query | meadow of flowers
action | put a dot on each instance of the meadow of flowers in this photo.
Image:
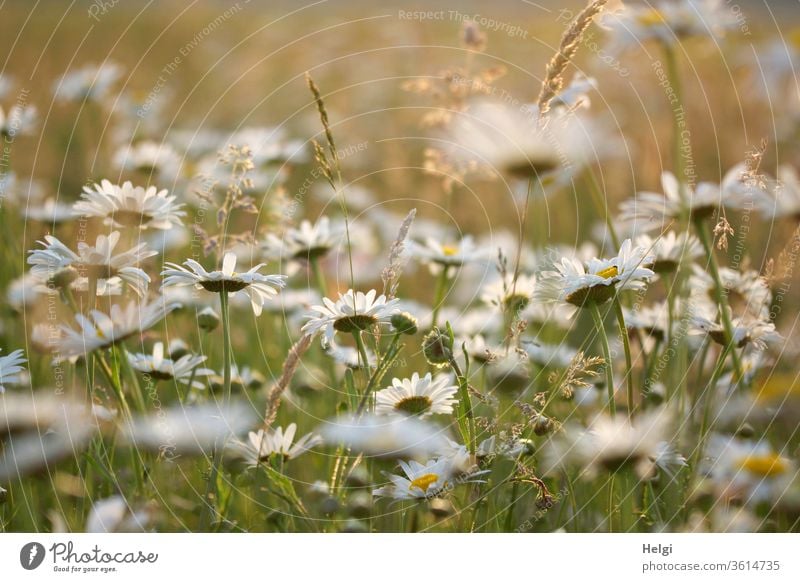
(548, 290)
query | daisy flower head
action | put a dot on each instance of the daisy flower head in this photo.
(10, 367)
(746, 330)
(258, 287)
(353, 312)
(670, 250)
(394, 436)
(99, 330)
(512, 141)
(149, 158)
(434, 478)
(509, 292)
(263, 444)
(98, 262)
(307, 242)
(747, 471)
(130, 206)
(417, 396)
(652, 210)
(597, 281)
(90, 83)
(612, 444)
(440, 256)
(19, 120)
(666, 21)
(183, 369)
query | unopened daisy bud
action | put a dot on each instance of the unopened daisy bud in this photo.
(208, 319)
(437, 346)
(542, 425)
(440, 508)
(3, 495)
(746, 431)
(404, 323)
(358, 477)
(329, 506)
(319, 490)
(354, 526)
(359, 505)
(177, 349)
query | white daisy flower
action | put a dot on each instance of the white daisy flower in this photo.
(746, 331)
(782, 198)
(507, 293)
(189, 430)
(149, 158)
(10, 367)
(434, 478)
(130, 206)
(91, 83)
(48, 211)
(438, 256)
(580, 285)
(98, 261)
(258, 287)
(751, 472)
(611, 444)
(304, 243)
(667, 459)
(747, 289)
(114, 515)
(182, 370)
(670, 250)
(667, 21)
(262, 445)
(417, 396)
(515, 142)
(100, 330)
(386, 436)
(19, 121)
(352, 312)
(6, 82)
(651, 210)
(241, 378)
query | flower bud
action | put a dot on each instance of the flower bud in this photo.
(359, 505)
(178, 349)
(437, 346)
(405, 323)
(208, 319)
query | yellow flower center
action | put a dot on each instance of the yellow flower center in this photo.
(422, 483)
(794, 37)
(770, 465)
(778, 387)
(608, 273)
(449, 250)
(652, 17)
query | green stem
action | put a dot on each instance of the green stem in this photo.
(601, 330)
(719, 293)
(212, 487)
(623, 332)
(675, 82)
(319, 278)
(441, 286)
(465, 408)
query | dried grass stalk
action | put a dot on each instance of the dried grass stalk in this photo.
(391, 274)
(554, 79)
(289, 368)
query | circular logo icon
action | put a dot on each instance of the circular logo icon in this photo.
(31, 555)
